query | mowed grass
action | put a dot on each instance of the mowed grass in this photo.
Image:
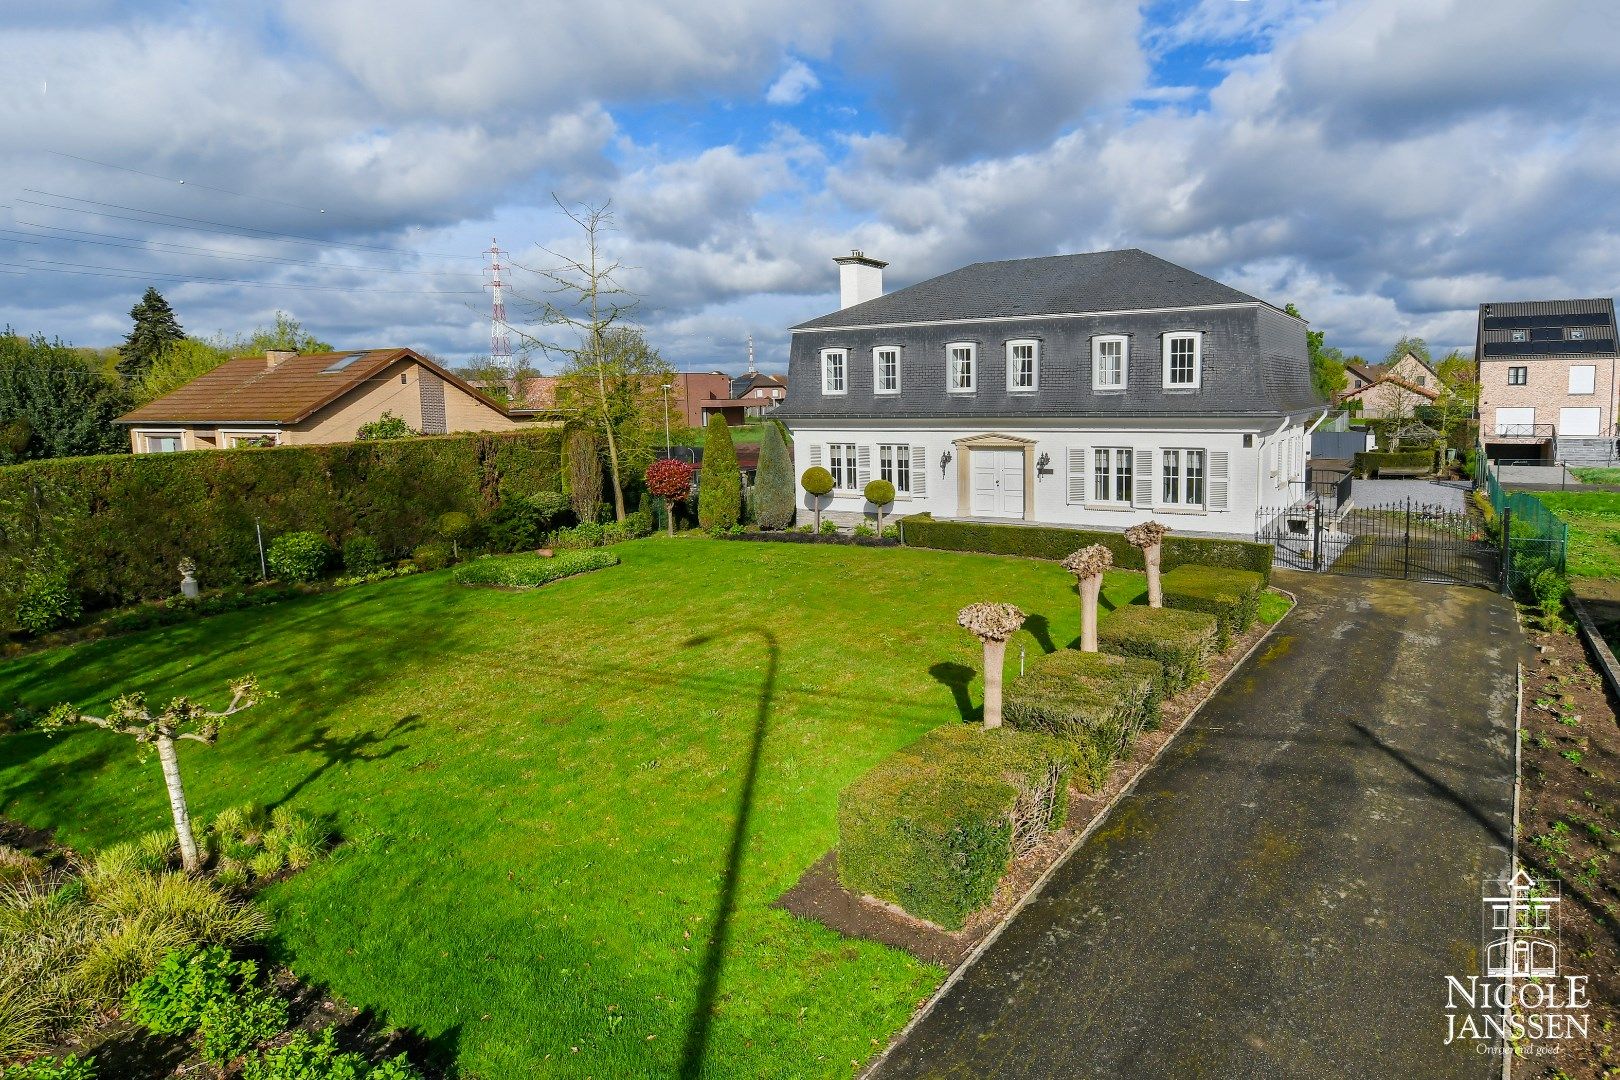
(1594, 530)
(539, 792)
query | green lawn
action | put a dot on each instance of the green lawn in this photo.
(1597, 476)
(538, 791)
(1594, 530)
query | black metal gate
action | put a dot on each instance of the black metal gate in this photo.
(1408, 540)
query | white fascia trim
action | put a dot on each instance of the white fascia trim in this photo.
(1026, 318)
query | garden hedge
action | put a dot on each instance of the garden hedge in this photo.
(529, 571)
(1232, 596)
(1371, 462)
(121, 523)
(1180, 642)
(1091, 701)
(1054, 542)
(935, 826)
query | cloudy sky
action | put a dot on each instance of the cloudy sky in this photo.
(1385, 164)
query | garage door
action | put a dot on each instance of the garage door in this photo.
(1577, 423)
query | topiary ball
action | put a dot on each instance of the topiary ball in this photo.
(879, 493)
(816, 480)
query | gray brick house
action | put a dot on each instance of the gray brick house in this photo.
(1099, 389)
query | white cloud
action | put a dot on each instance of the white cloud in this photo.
(792, 86)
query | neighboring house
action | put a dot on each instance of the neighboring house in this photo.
(1100, 390)
(1547, 380)
(1391, 390)
(286, 399)
(693, 397)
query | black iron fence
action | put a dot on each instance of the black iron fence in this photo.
(1409, 540)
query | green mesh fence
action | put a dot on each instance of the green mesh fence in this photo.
(1539, 538)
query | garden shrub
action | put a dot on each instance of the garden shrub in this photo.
(879, 492)
(531, 571)
(362, 556)
(1053, 542)
(455, 526)
(521, 522)
(172, 1000)
(1095, 703)
(236, 1024)
(97, 512)
(1371, 462)
(1232, 596)
(935, 826)
(817, 481)
(299, 556)
(318, 1058)
(245, 840)
(433, 555)
(773, 486)
(1180, 642)
(46, 599)
(720, 482)
(72, 1067)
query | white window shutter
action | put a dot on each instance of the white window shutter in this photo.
(1142, 482)
(815, 457)
(1217, 479)
(1078, 477)
(863, 466)
(919, 471)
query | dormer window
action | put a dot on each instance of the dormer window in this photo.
(1183, 360)
(886, 369)
(1108, 362)
(1023, 365)
(964, 360)
(834, 371)
(1520, 335)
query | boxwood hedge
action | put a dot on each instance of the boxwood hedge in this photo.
(121, 523)
(1055, 541)
(935, 826)
(1371, 462)
(529, 570)
(1232, 596)
(1180, 642)
(1091, 701)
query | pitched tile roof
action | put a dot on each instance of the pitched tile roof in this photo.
(246, 389)
(1128, 280)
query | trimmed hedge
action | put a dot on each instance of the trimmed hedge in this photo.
(1180, 642)
(1095, 703)
(1054, 542)
(530, 571)
(1371, 462)
(935, 826)
(1232, 596)
(121, 523)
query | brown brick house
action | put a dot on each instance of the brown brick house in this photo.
(1548, 380)
(288, 399)
(1391, 390)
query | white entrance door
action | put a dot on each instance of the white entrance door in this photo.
(998, 483)
(1578, 422)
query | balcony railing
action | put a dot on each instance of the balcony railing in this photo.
(1521, 433)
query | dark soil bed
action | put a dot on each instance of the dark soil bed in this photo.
(820, 897)
(1569, 828)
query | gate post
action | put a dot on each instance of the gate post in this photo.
(1406, 549)
(1316, 542)
(1507, 550)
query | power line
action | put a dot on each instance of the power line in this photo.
(50, 266)
(291, 237)
(139, 244)
(191, 183)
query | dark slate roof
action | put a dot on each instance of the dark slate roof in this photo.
(1128, 280)
(1548, 324)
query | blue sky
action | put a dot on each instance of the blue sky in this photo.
(1385, 164)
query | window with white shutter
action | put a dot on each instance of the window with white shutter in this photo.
(1143, 487)
(815, 457)
(863, 467)
(1217, 479)
(919, 471)
(1078, 477)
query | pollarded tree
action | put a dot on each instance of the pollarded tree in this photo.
(180, 719)
(773, 498)
(992, 624)
(1149, 536)
(879, 493)
(720, 485)
(1088, 565)
(817, 483)
(670, 480)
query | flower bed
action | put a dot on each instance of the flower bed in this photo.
(530, 571)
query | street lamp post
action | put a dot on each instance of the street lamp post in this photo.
(667, 388)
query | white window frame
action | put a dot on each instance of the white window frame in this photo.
(877, 369)
(1591, 380)
(1523, 371)
(1034, 366)
(1175, 467)
(894, 465)
(841, 464)
(826, 371)
(1106, 465)
(228, 436)
(1097, 344)
(148, 434)
(1197, 339)
(972, 367)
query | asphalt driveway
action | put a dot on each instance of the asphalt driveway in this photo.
(1286, 890)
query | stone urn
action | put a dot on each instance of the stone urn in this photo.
(188, 579)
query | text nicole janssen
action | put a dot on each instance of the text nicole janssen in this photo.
(1513, 1010)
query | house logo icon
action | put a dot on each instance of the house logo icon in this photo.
(1522, 929)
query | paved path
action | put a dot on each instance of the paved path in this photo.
(1286, 890)
(1449, 495)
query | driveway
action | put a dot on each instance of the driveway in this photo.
(1448, 495)
(1286, 890)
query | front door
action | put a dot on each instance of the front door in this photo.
(998, 483)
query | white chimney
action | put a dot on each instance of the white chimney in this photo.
(859, 279)
(274, 358)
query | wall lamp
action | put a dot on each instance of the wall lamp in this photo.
(944, 462)
(1043, 465)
